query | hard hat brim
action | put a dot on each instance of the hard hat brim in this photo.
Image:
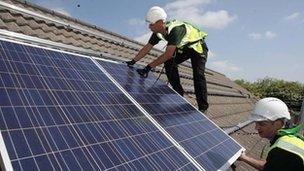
(256, 118)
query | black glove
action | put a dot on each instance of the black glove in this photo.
(130, 63)
(144, 72)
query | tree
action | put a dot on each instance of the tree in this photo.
(292, 93)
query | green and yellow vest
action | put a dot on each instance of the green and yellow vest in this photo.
(291, 144)
(192, 37)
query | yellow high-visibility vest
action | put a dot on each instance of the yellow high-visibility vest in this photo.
(291, 144)
(192, 37)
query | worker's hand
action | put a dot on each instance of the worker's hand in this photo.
(130, 63)
(144, 72)
(243, 156)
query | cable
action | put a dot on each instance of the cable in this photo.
(170, 71)
(161, 72)
(247, 133)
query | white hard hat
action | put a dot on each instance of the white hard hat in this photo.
(156, 13)
(269, 108)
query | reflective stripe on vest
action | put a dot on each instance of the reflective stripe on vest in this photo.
(290, 143)
(193, 35)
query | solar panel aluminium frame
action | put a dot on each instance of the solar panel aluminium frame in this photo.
(4, 154)
(4, 158)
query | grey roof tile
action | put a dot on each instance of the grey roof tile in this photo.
(7, 17)
(3, 25)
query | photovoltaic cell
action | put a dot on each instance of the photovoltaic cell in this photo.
(209, 145)
(58, 111)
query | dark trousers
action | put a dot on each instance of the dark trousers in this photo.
(198, 62)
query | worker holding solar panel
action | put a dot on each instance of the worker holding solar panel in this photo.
(286, 150)
(184, 41)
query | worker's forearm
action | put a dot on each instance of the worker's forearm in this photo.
(143, 52)
(258, 164)
(161, 59)
(164, 57)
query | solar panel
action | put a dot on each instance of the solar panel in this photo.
(200, 137)
(59, 111)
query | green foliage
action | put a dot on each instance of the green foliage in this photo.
(292, 93)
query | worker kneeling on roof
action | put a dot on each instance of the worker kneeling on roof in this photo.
(184, 41)
(287, 147)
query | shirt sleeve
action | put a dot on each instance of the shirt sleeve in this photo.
(154, 39)
(176, 35)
